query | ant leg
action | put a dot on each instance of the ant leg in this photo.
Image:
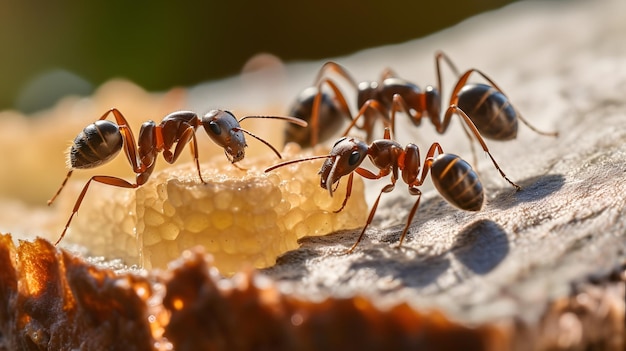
(69, 174)
(194, 152)
(338, 69)
(187, 136)
(348, 192)
(315, 112)
(471, 144)
(534, 129)
(100, 179)
(461, 83)
(363, 173)
(428, 161)
(416, 192)
(315, 117)
(387, 188)
(455, 109)
(439, 55)
(130, 147)
(412, 163)
(399, 104)
(388, 73)
(320, 79)
(374, 105)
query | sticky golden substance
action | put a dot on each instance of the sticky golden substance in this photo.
(240, 217)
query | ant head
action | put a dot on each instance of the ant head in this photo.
(225, 131)
(346, 155)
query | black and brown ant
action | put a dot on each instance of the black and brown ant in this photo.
(486, 104)
(454, 178)
(102, 140)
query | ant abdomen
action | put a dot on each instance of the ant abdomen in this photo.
(97, 144)
(457, 182)
(331, 117)
(490, 110)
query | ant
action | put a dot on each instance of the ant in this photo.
(489, 109)
(101, 141)
(453, 177)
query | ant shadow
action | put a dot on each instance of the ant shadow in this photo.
(481, 246)
(533, 188)
(404, 265)
(407, 265)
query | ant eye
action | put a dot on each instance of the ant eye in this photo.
(215, 128)
(354, 158)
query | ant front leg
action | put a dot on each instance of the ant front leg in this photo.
(338, 69)
(387, 188)
(440, 55)
(380, 112)
(179, 127)
(315, 110)
(188, 135)
(320, 80)
(398, 104)
(348, 193)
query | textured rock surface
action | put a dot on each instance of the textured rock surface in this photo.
(562, 65)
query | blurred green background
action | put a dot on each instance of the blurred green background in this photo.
(51, 48)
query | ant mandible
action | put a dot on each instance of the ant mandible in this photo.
(487, 105)
(101, 141)
(454, 178)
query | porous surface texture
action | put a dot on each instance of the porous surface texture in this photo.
(242, 217)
